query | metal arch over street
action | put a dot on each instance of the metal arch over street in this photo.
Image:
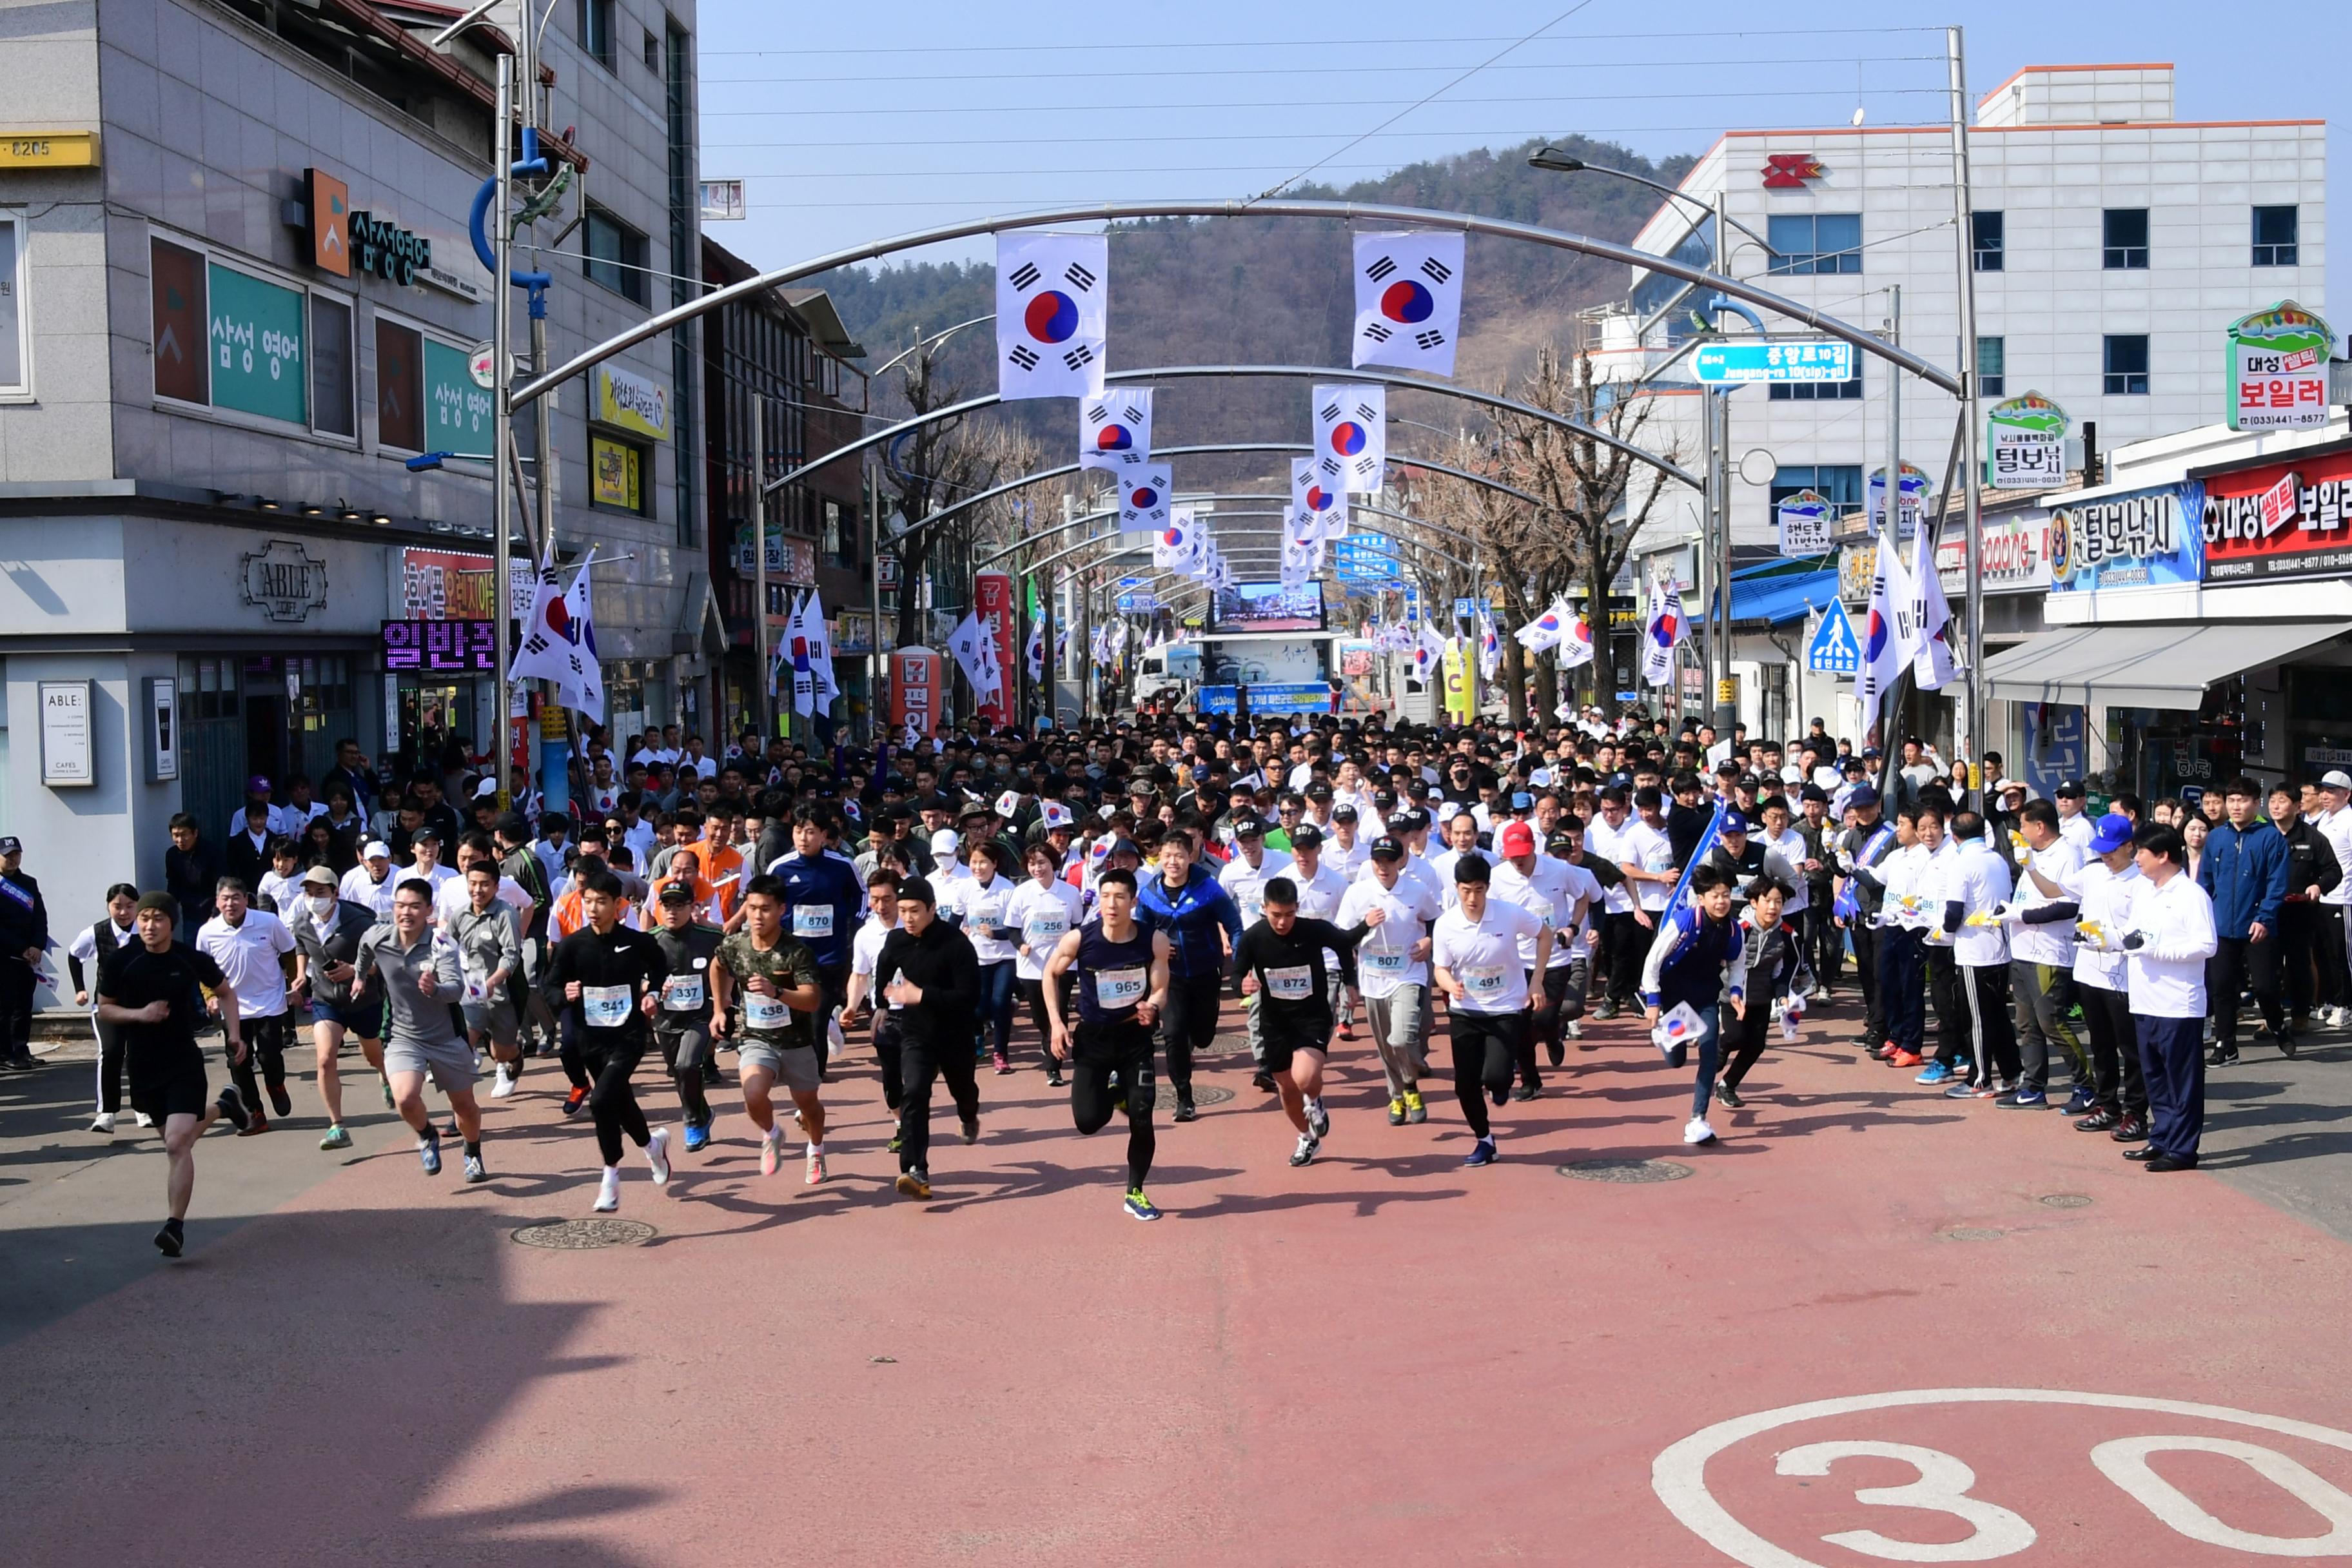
(1346, 212)
(985, 562)
(1064, 553)
(1665, 466)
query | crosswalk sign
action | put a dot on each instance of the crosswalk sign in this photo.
(1833, 651)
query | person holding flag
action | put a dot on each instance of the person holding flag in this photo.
(1698, 963)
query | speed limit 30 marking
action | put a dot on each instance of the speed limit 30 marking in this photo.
(1997, 1526)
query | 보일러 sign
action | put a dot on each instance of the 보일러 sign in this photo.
(2149, 538)
(2025, 444)
(2282, 520)
(630, 402)
(1744, 363)
(1803, 521)
(2277, 369)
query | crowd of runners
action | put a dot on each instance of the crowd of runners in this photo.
(1123, 889)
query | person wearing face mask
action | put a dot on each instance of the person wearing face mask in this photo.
(343, 1001)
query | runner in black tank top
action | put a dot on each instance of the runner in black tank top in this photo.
(1122, 983)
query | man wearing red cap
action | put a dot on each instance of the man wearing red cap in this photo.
(1555, 893)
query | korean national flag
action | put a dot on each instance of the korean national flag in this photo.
(1143, 498)
(1319, 507)
(1408, 300)
(1115, 430)
(1050, 290)
(1351, 441)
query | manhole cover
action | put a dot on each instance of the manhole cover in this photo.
(1202, 1094)
(1630, 1170)
(2066, 1201)
(581, 1234)
(1974, 1232)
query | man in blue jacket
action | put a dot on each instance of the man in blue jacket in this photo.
(824, 903)
(1201, 922)
(2246, 875)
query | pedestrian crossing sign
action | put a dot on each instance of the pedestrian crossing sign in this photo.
(1833, 651)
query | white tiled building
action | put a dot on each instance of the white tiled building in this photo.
(2112, 245)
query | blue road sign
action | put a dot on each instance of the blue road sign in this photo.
(1749, 361)
(1835, 649)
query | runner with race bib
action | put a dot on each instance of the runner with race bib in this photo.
(1280, 960)
(1122, 972)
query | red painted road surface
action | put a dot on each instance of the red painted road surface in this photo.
(1383, 1358)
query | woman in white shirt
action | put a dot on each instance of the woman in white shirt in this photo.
(1045, 909)
(981, 905)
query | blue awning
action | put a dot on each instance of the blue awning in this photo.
(1777, 601)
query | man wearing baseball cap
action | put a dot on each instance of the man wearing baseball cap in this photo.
(2333, 820)
(1244, 877)
(1392, 970)
(2074, 825)
(1558, 894)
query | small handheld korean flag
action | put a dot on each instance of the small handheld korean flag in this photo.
(1408, 300)
(1143, 498)
(1318, 506)
(1351, 435)
(1050, 318)
(1115, 430)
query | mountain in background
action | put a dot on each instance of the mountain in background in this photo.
(1276, 291)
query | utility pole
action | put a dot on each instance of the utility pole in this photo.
(875, 665)
(553, 754)
(1890, 529)
(502, 434)
(1972, 480)
(759, 567)
(1718, 483)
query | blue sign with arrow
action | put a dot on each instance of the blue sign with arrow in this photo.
(1835, 649)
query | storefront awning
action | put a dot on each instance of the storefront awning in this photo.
(2157, 666)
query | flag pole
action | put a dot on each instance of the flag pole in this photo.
(501, 461)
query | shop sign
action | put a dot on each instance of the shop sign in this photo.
(616, 474)
(2276, 363)
(457, 405)
(1915, 501)
(284, 580)
(1857, 564)
(853, 632)
(1803, 523)
(254, 331)
(67, 759)
(2146, 539)
(452, 585)
(2328, 756)
(2025, 444)
(915, 691)
(48, 149)
(342, 241)
(2279, 520)
(440, 648)
(631, 401)
(991, 599)
(2015, 558)
(1789, 171)
(790, 558)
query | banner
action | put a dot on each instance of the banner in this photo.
(1115, 431)
(1050, 315)
(2144, 538)
(1455, 665)
(2282, 520)
(2277, 369)
(991, 600)
(1351, 441)
(1408, 300)
(915, 691)
(2025, 444)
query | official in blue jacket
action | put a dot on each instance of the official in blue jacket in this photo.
(2247, 862)
(1185, 901)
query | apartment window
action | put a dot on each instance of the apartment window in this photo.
(1811, 243)
(1840, 484)
(399, 387)
(614, 255)
(2275, 235)
(1989, 236)
(1992, 367)
(596, 31)
(331, 404)
(13, 355)
(2125, 239)
(1820, 391)
(2126, 365)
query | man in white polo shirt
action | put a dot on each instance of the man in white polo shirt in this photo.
(250, 946)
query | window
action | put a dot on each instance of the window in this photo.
(399, 387)
(1820, 391)
(652, 51)
(331, 367)
(235, 341)
(2125, 232)
(2126, 365)
(2275, 235)
(1840, 484)
(14, 352)
(614, 254)
(1989, 235)
(596, 31)
(616, 473)
(1992, 367)
(1811, 243)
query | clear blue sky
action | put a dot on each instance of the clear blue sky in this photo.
(855, 121)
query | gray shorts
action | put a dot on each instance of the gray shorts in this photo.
(794, 1066)
(450, 1062)
(495, 1018)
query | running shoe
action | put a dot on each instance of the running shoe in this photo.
(1305, 1153)
(1937, 1073)
(1414, 1111)
(2099, 1120)
(279, 1101)
(1186, 1111)
(102, 1122)
(2080, 1102)
(1729, 1096)
(2025, 1100)
(1606, 1011)
(1576, 1030)
(1899, 1057)
(1003, 1065)
(1992, 1090)
(1559, 1052)
(1054, 1081)
(815, 1166)
(1962, 1066)
(1262, 1080)
(171, 1239)
(2286, 1043)
(657, 1156)
(897, 1140)
(1959, 1088)
(1695, 1131)
(142, 1119)
(573, 1101)
(428, 1153)
(385, 1084)
(255, 1124)
(336, 1138)
(1482, 1152)
(1347, 1031)
(453, 1131)
(1396, 1111)
(1526, 1091)
(475, 1172)
(504, 1086)
(1139, 1206)
(772, 1148)
(696, 1138)
(608, 1191)
(1319, 1120)
(232, 1109)
(972, 1129)
(915, 1184)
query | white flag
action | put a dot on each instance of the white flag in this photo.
(1575, 640)
(1351, 436)
(1143, 498)
(1317, 504)
(1115, 430)
(1932, 666)
(974, 652)
(1664, 629)
(1408, 300)
(1050, 318)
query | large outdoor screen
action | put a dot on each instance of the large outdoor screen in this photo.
(1267, 607)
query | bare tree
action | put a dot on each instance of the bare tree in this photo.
(933, 465)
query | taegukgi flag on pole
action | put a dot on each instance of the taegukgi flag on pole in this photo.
(1036, 652)
(1318, 506)
(560, 644)
(1576, 642)
(807, 634)
(1115, 430)
(1143, 493)
(1664, 629)
(1050, 315)
(973, 648)
(1932, 665)
(1547, 629)
(1884, 647)
(1177, 546)
(1408, 300)
(1490, 647)
(1351, 435)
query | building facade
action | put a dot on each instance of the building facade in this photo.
(240, 320)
